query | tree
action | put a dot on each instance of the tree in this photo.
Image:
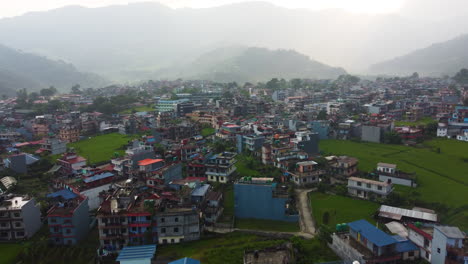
(48, 91)
(76, 89)
(322, 115)
(462, 76)
(392, 137)
(296, 83)
(415, 75)
(326, 218)
(273, 84)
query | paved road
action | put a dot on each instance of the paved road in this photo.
(306, 221)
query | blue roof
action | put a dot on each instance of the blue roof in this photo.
(98, 177)
(185, 261)
(65, 193)
(372, 233)
(404, 245)
(201, 190)
(138, 252)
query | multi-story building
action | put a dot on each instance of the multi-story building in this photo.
(69, 133)
(364, 188)
(249, 142)
(20, 217)
(262, 198)
(54, 146)
(343, 165)
(68, 219)
(169, 105)
(178, 224)
(70, 163)
(422, 237)
(449, 246)
(306, 172)
(389, 173)
(220, 167)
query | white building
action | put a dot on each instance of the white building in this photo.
(447, 244)
(363, 188)
(20, 218)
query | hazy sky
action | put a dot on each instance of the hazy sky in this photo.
(10, 8)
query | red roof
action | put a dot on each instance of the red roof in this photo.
(419, 231)
(149, 161)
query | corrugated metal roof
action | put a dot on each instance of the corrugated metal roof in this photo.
(98, 177)
(137, 252)
(404, 245)
(451, 231)
(397, 228)
(201, 191)
(65, 193)
(185, 261)
(396, 213)
(372, 233)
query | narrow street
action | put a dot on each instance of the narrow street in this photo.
(306, 220)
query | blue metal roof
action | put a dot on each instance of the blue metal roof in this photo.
(185, 261)
(98, 177)
(65, 193)
(137, 252)
(201, 190)
(404, 245)
(372, 233)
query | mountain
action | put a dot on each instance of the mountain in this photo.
(132, 41)
(24, 70)
(251, 65)
(446, 58)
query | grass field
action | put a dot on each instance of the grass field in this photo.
(243, 168)
(229, 248)
(101, 148)
(138, 109)
(9, 252)
(341, 209)
(423, 122)
(207, 131)
(267, 225)
(442, 177)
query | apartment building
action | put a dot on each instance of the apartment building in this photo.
(220, 167)
(20, 217)
(364, 188)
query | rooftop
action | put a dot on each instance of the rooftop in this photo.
(368, 181)
(146, 162)
(386, 165)
(185, 261)
(14, 203)
(372, 233)
(451, 231)
(137, 253)
(397, 213)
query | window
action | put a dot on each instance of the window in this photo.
(358, 183)
(176, 219)
(16, 214)
(172, 240)
(68, 231)
(163, 230)
(379, 188)
(53, 220)
(411, 253)
(164, 241)
(106, 242)
(162, 220)
(368, 185)
(17, 224)
(148, 218)
(176, 229)
(3, 224)
(438, 250)
(123, 230)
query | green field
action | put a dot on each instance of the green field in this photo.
(9, 252)
(230, 248)
(341, 209)
(246, 166)
(207, 131)
(101, 148)
(442, 177)
(138, 109)
(422, 122)
(267, 225)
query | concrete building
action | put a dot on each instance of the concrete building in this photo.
(68, 219)
(449, 245)
(262, 198)
(20, 217)
(422, 237)
(177, 225)
(54, 146)
(220, 167)
(169, 105)
(364, 188)
(306, 172)
(389, 173)
(343, 165)
(250, 142)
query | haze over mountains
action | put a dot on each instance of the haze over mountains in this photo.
(23, 70)
(151, 41)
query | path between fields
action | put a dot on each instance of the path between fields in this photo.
(306, 221)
